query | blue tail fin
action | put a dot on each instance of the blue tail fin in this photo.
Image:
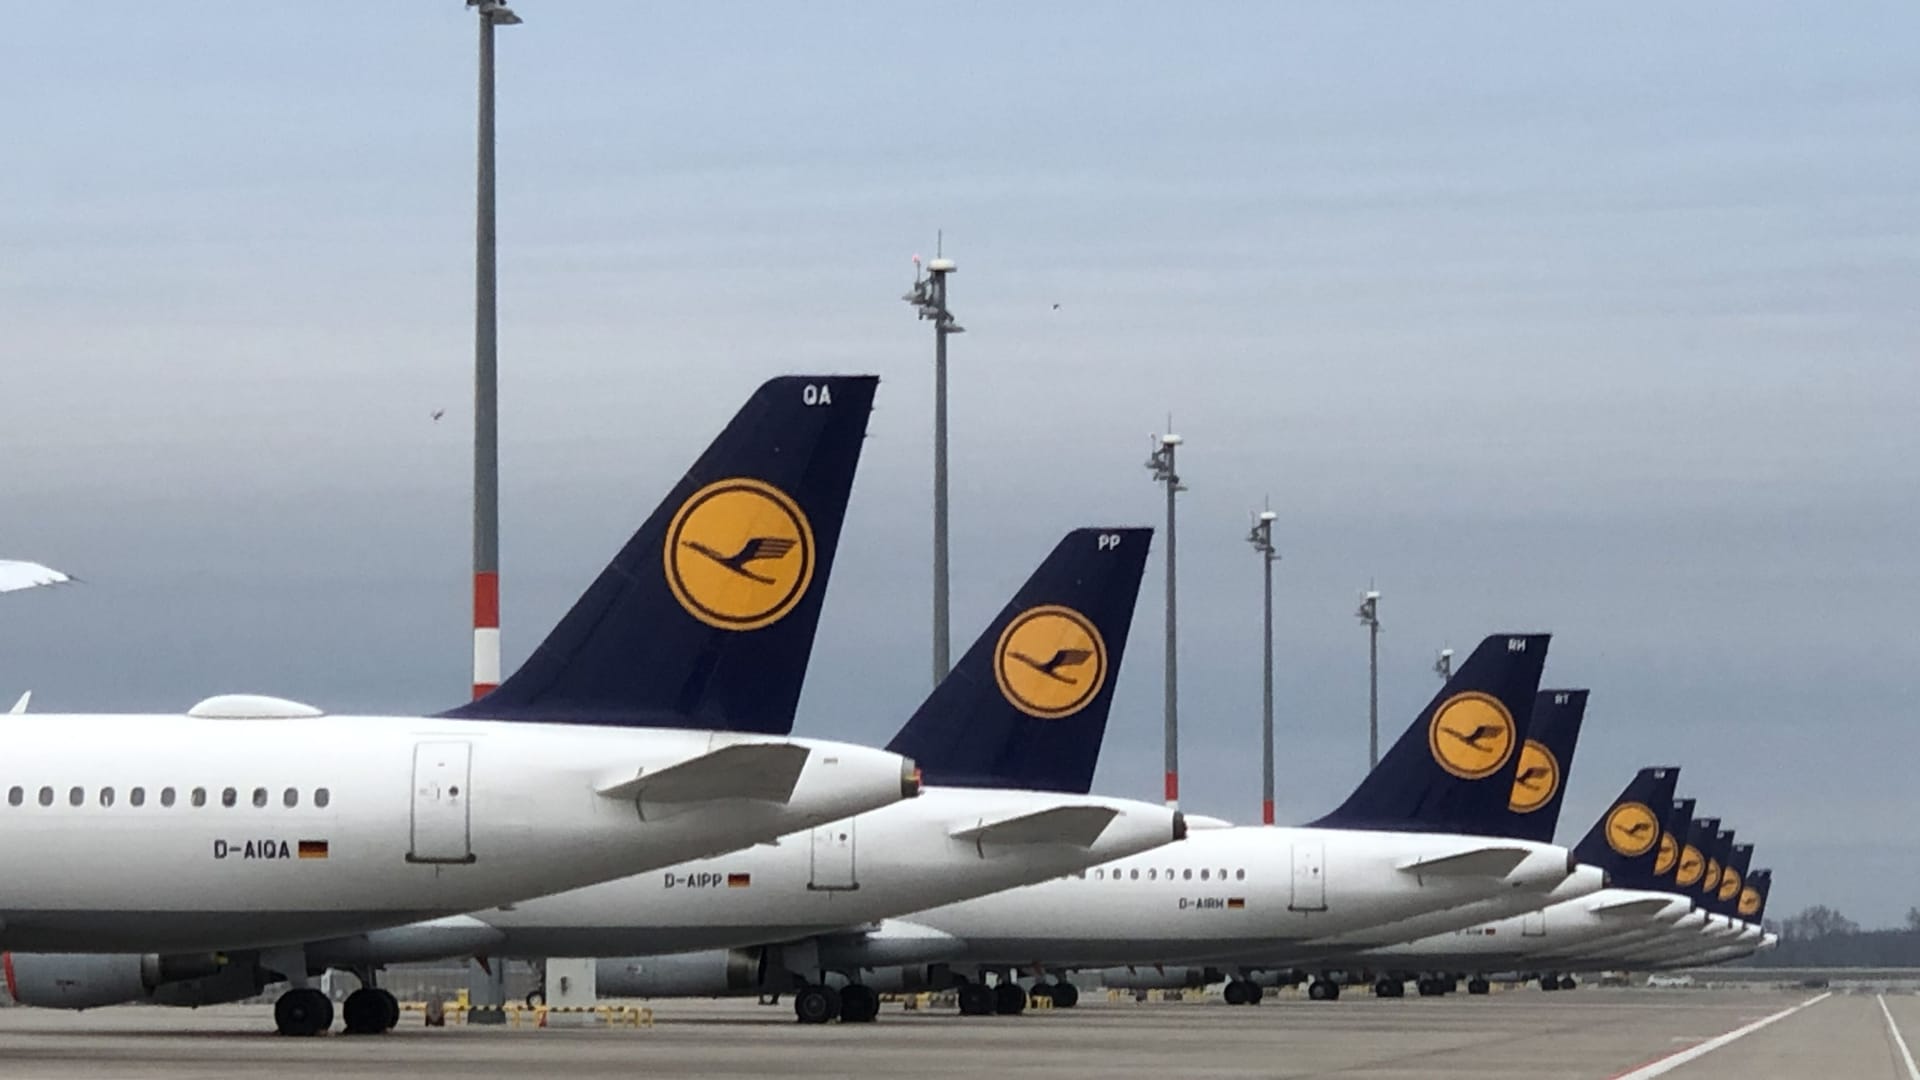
(1027, 706)
(1625, 842)
(1673, 837)
(1721, 849)
(1452, 770)
(1546, 764)
(1733, 878)
(1753, 898)
(706, 617)
(1694, 855)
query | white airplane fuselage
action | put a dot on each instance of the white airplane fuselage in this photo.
(1514, 940)
(169, 833)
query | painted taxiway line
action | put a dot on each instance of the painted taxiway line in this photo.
(1900, 1044)
(1673, 1061)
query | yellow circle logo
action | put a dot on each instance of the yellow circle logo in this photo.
(1712, 881)
(739, 554)
(1632, 830)
(1669, 854)
(1050, 661)
(1692, 863)
(1729, 884)
(1536, 780)
(1749, 901)
(1471, 735)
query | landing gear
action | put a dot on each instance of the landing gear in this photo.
(858, 1004)
(1009, 999)
(1549, 983)
(1390, 988)
(1243, 992)
(1323, 990)
(976, 999)
(302, 1011)
(1478, 986)
(1567, 983)
(1065, 995)
(817, 1004)
(370, 1011)
(536, 997)
(1430, 987)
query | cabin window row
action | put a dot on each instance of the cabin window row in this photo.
(137, 796)
(1117, 874)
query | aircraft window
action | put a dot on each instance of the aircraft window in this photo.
(1153, 875)
(137, 797)
(259, 796)
(1239, 875)
(1133, 875)
(166, 796)
(76, 796)
(16, 795)
(228, 797)
(320, 797)
(1187, 874)
(290, 797)
(106, 796)
(1099, 875)
(199, 796)
(1204, 875)
(1223, 875)
(1169, 873)
(46, 796)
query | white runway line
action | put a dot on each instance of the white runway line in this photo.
(1673, 1061)
(1893, 1029)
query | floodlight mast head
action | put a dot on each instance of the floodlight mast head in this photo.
(495, 12)
(1369, 612)
(1261, 535)
(1443, 665)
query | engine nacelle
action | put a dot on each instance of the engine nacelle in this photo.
(910, 979)
(235, 982)
(713, 973)
(89, 980)
(1154, 977)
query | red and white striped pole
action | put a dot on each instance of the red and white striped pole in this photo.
(486, 632)
(486, 417)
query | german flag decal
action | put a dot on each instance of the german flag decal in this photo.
(313, 849)
(739, 881)
(1236, 902)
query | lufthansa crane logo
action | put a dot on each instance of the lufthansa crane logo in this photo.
(739, 554)
(1711, 883)
(1749, 902)
(1537, 780)
(1692, 865)
(1050, 661)
(1632, 830)
(1669, 854)
(1471, 735)
(1729, 884)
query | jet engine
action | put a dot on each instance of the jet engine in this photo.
(88, 980)
(713, 973)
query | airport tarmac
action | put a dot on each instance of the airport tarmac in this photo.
(1521, 1033)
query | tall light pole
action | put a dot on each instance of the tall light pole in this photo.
(1443, 665)
(1160, 463)
(929, 295)
(1262, 540)
(486, 413)
(1369, 615)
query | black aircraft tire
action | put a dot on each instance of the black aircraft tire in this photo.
(1009, 999)
(1478, 986)
(816, 1004)
(1065, 995)
(976, 999)
(302, 1011)
(859, 1005)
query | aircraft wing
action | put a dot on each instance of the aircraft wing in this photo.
(16, 575)
(1648, 905)
(1078, 825)
(764, 771)
(1492, 860)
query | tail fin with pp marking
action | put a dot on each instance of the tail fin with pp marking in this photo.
(1452, 770)
(1027, 705)
(1546, 764)
(1625, 842)
(706, 617)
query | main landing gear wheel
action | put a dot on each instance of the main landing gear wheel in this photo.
(1478, 986)
(1549, 983)
(1065, 995)
(858, 1004)
(370, 1011)
(1429, 987)
(536, 997)
(302, 1011)
(1567, 983)
(976, 999)
(1009, 999)
(1243, 992)
(1390, 988)
(1323, 990)
(816, 1004)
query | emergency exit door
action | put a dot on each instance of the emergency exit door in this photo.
(441, 773)
(833, 857)
(1533, 924)
(1309, 877)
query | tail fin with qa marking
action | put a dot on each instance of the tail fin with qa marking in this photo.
(1027, 705)
(1546, 764)
(1626, 841)
(706, 617)
(1452, 771)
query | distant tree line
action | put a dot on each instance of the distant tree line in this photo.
(1819, 936)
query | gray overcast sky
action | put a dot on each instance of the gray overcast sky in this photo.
(1597, 320)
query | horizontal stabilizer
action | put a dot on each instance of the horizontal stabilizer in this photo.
(1492, 861)
(1078, 825)
(1625, 909)
(765, 771)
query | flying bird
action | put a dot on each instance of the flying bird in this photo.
(1474, 737)
(758, 549)
(1638, 828)
(1061, 658)
(438, 413)
(1530, 774)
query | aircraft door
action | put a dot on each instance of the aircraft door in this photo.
(1309, 877)
(1533, 924)
(833, 856)
(441, 774)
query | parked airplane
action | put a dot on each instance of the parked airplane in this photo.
(1229, 893)
(1018, 722)
(258, 823)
